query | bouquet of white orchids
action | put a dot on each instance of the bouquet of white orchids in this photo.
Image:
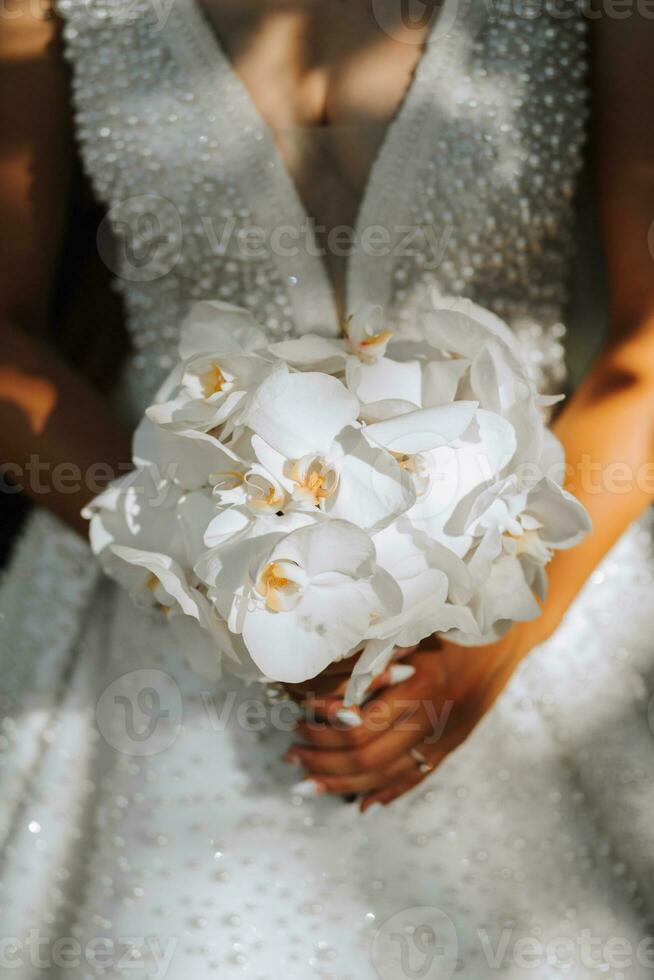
(294, 503)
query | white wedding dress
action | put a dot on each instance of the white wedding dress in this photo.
(146, 820)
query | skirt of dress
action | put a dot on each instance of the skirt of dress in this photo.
(150, 828)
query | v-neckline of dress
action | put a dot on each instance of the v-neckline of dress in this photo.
(272, 191)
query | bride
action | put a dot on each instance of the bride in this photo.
(299, 157)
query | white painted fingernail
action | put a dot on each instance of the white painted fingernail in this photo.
(373, 808)
(348, 717)
(401, 672)
(308, 787)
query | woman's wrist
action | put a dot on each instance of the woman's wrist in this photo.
(532, 633)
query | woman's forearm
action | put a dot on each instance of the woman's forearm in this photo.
(607, 430)
(59, 441)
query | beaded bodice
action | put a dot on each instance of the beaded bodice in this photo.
(469, 193)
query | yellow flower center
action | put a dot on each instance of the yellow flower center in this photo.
(227, 479)
(529, 543)
(376, 338)
(151, 584)
(213, 380)
(266, 499)
(277, 588)
(314, 481)
(369, 341)
(405, 460)
(417, 466)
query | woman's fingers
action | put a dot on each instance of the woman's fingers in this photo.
(390, 792)
(318, 703)
(372, 757)
(406, 779)
(333, 772)
(333, 677)
(391, 707)
(368, 749)
(433, 754)
(360, 782)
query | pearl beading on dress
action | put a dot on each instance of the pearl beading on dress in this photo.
(473, 183)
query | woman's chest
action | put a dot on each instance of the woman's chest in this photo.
(318, 62)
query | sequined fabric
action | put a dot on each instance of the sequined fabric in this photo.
(149, 827)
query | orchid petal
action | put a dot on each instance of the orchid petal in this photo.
(424, 429)
(327, 546)
(311, 351)
(169, 573)
(385, 379)
(213, 326)
(564, 519)
(372, 488)
(298, 414)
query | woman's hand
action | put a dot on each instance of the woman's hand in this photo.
(407, 729)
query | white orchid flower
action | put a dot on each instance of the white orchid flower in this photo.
(364, 340)
(450, 451)
(354, 480)
(130, 523)
(211, 647)
(306, 437)
(189, 458)
(305, 599)
(458, 352)
(239, 523)
(386, 380)
(532, 523)
(308, 482)
(212, 388)
(365, 334)
(517, 531)
(421, 572)
(193, 459)
(216, 326)
(223, 362)
(458, 325)
(235, 525)
(546, 509)
(493, 372)
(495, 381)
(435, 586)
(205, 637)
(300, 413)
(138, 511)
